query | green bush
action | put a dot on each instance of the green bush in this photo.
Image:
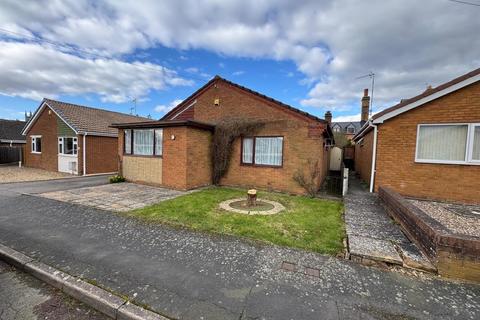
(117, 179)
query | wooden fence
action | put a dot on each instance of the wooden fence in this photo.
(10, 154)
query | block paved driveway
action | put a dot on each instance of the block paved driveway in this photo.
(188, 275)
(114, 197)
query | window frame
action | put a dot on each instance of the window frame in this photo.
(468, 148)
(74, 143)
(32, 143)
(132, 154)
(253, 164)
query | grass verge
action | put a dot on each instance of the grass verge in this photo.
(311, 224)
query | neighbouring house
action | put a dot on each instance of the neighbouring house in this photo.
(427, 146)
(350, 128)
(11, 133)
(177, 151)
(71, 138)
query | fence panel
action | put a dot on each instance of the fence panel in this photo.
(10, 154)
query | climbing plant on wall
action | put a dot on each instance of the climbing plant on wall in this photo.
(224, 136)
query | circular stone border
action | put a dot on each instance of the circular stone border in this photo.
(277, 207)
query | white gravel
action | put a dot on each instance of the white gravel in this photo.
(457, 218)
(15, 174)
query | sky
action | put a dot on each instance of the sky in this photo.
(311, 54)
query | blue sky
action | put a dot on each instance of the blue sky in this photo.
(306, 53)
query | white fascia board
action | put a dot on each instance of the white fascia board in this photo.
(429, 98)
(186, 108)
(38, 112)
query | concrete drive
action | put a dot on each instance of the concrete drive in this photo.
(188, 275)
(24, 297)
(119, 197)
(373, 236)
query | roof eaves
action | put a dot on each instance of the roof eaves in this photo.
(427, 96)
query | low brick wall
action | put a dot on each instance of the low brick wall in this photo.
(454, 255)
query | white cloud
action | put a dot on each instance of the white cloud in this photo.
(165, 108)
(352, 118)
(238, 73)
(405, 43)
(35, 71)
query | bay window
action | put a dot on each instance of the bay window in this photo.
(262, 151)
(448, 143)
(36, 144)
(67, 145)
(143, 142)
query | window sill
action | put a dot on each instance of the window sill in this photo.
(35, 152)
(260, 165)
(68, 155)
(463, 163)
(141, 156)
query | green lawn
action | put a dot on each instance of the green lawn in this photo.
(307, 223)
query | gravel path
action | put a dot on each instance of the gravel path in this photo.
(457, 218)
(15, 174)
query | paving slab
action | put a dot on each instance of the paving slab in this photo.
(120, 197)
(375, 249)
(373, 235)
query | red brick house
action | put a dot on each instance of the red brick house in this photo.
(71, 138)
(176, 151)
(427, 146)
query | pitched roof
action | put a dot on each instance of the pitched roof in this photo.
(87, 119)
(11, 130)
(426, 96)
(343, 125)
(187, 102)
(430, 93)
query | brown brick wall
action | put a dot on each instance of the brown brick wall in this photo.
(363, 157)
(300, 144)
(396, 166)
(102, 154)
(454, 255)
(174, 165)
(46, 126)
(199, 158)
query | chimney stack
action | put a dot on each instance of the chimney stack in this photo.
(365, 106)
(328, 117)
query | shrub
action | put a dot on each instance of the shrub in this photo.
(225, 134)
(117, 179)
(309, 178)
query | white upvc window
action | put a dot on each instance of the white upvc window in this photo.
(36, 144)
(68, 146)
(448, 143)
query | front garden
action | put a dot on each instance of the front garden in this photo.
(306, 223)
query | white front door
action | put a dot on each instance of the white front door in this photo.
(67, 155)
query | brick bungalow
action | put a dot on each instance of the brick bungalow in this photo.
(176, 151)
(71, 138)
(427, 146)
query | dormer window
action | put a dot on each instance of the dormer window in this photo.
(350, 130)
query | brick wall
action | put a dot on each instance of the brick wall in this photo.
(174, 165)
(102, 154)
(396, 166)
(46, 126)
(363, 157)
(300, 142)
(454, 255)
(199, 158)
(143, 169)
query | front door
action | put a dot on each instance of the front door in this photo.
(68, 155)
